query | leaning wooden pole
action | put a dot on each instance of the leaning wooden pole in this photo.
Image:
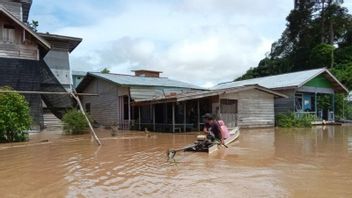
(92, 132)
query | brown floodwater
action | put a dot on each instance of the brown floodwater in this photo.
(272, 162)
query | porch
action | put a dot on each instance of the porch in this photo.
(319, 105)
(182, 116)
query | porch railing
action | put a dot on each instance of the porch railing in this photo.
(318, 116)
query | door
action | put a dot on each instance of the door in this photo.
(228, 112)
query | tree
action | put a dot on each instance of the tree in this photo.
(105, 70)
(14, 116)
(322, 56)
(314, 29)
(34, 25)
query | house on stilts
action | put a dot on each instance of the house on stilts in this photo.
(309, 92)
(117, 92)
(147, 100)
(32, 61)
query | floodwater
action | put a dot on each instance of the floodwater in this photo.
(313, 162)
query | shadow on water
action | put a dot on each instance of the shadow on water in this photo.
(264, 162)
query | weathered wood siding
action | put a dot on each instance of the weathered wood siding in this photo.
(255, 108)
(285, 105)
(22, 45)
(103, 108)
(15, 8)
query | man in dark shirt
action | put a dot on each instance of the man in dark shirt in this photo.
(212, 128)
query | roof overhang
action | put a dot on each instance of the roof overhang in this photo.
(203, 94)
(73, 42)
(42, 41)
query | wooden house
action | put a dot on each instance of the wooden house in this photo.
(28, 60)
(305, 90)
(117, 92)
(245, 106)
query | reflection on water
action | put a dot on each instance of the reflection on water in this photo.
(263, 163)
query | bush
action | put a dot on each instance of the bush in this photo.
(290, 120)
(75, 122)
(15, 117)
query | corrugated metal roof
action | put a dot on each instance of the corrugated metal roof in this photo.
(128, 80)
(184, 96)
(294, 79)
(149, 93)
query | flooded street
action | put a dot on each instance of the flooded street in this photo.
(263, 163)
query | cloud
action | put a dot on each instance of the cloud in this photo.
(198, 41)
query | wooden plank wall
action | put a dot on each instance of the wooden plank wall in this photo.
(285, 105)
(15, 8)
(255, 108)
(22, 48)
(104, 108)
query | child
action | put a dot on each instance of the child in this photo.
(224, 130)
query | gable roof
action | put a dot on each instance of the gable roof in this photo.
(42, 41)
(288, 80)
(197, 94)
(129, 80)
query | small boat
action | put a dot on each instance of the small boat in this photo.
(234, 135)
(205, 145)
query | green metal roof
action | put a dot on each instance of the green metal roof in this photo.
(283, 81)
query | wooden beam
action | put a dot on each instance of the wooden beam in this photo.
(139, 118)
(153, 111)
(129, 111)
(198, 114)
(173, 117)
(184, 117)
(46, 92)
(93, 134)
(316, 105)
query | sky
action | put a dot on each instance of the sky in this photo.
(203, 42)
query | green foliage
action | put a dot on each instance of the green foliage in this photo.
(75, 122)
(321, 56)
(14, 116)
(308, 40)
(105, 71)
(34, 25)
(290, 120)
(343, 108)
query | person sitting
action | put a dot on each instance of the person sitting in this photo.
(224, 130)
(212, 128)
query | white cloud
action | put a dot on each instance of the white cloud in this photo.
(198, 41)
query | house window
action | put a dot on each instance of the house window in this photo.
(87, 107)
(8, 34)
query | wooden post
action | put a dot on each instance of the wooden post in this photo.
(333, 106)
(198, 114)
(129, 112)
(139, 118)
(173, 117)
(153, 111)
(94, 135)
(184, 117)
(316, 105)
